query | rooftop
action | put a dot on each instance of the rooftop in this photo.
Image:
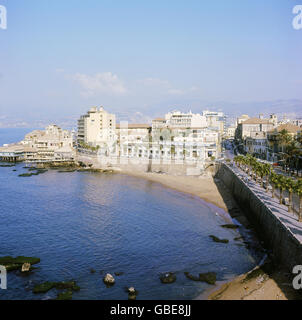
(257, 121)
(291, 128)
(135, 126)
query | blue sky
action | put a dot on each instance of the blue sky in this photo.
(57, 58)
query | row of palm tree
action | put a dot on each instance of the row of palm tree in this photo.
(264, 174)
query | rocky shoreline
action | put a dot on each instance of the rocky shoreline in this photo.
(201, 187)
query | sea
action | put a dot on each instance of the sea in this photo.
(113, 223)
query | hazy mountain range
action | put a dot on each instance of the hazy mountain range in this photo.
(289, 108)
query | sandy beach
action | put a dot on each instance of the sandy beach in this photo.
(263, 283)
(203, 187)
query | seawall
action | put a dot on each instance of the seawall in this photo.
(279, 229)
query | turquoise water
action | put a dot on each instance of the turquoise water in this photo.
(112, 223)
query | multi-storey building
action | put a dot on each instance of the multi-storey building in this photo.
(256, 144)
(185, 120)
(96, 127)
(51, 144)
(178, 136)
(248, 127)
(216, 121)
(230, 132)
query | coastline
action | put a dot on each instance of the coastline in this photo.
(261, 283)
(202, 187)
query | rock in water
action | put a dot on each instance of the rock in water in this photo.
(25, 267)
(216, 239)
(169, 277)
(230, 226)
(191, 277)
(209, 277)
(132, 293)
(132, 290)
(109, 280)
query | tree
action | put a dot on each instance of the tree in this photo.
(281, 184)
(289, 186)
(284, 139)
(298, 191)
(274, 181)
(267, 171)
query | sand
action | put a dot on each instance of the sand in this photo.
(203, 187)
(272, 285)
(259, 284)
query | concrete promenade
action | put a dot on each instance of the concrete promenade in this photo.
(290, 220)
(280, 230)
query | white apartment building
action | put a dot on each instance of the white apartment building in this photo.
(230, 132)
(215, 121)
(140, 141)
(177, 136)
(185, 120)
(133, 139)
(96, 127)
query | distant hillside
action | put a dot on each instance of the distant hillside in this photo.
(290, 108)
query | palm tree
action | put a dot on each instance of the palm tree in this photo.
(294, 151)
(298, 191)
(281, 185)
(290, 185)
(274, 181)
(284, 139)
(261, 173)
(267, 171)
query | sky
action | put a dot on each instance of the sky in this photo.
(143, 58)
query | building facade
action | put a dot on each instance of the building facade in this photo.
(96, 127)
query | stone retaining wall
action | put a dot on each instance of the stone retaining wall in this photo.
(286, 247)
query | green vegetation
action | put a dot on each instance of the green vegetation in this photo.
(16, 263)
(43, 287)
(86, 146)
(265, 174)
(31, 173)
(291, 150)
(209, 277)
(216, 239)
(46, 286)
(168, 278)
(66, 295)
